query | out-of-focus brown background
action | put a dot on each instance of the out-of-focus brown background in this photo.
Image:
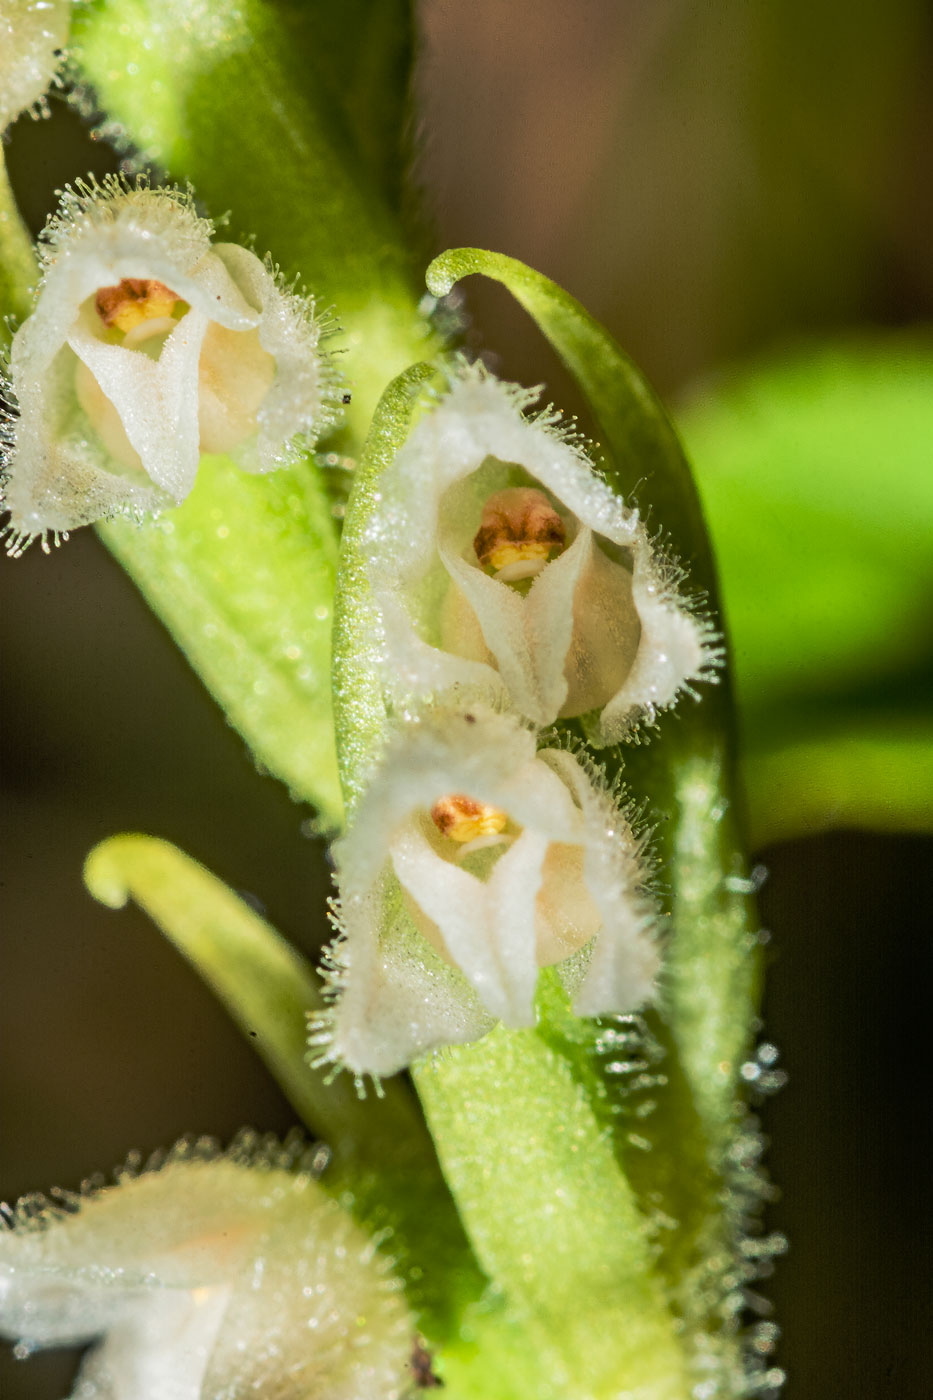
(711, 180)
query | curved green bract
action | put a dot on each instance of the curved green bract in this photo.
(268, 988)
(382, 1161)
(242, 574)
(358, 706)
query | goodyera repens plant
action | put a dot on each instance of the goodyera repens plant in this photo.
(454, 626)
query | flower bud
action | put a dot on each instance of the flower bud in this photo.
(211, 1278)
(148, 346)
(474, 861)
(507, 571)
(31, 34)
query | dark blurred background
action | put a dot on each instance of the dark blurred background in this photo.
(712, 181)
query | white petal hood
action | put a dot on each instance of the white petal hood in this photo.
(206, 1280)
(441, 938)
(114, 420)
(599, 630)
(31, 34)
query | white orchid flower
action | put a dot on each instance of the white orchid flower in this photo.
(206, 1280)
(32, 32)
(505, 569)
(474, 861)
(148, 346)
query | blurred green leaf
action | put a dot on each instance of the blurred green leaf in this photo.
(873, 770)
(816, 473)
(382, 1160)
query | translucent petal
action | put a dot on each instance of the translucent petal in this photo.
(31, 33)
(113, 416)
(208, 1280)
(602, 628)
(438, 938)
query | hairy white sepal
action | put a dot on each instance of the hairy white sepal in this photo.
(105, 428)
(31, 34)
(564, 886)
(206, 1279)
(602, 631)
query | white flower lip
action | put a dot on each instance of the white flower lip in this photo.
(592, 626)
(204, 1279)
(441, 939)
(113, 421)
(31, 34)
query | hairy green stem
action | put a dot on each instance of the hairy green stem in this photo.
(18, 271)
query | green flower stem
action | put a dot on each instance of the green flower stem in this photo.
(551, 1216)
(382, 1160)
(651, 1118)
(18, 271)
(712, 986)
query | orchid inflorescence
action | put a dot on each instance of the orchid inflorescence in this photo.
(509, 579)
(504, 621)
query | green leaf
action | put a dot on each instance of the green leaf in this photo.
(382, 1164)
(815, 473)
(873, 770)
(361, 54)
(242, 574)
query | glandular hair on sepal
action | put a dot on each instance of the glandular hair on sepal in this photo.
(208, 1274)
